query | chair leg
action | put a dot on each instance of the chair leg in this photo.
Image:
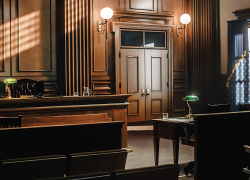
(189, 168)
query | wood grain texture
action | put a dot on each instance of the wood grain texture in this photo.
(204, 56)
(69, 110)
(68, 119)
(76, 29)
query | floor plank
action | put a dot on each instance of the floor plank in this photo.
(141, 143)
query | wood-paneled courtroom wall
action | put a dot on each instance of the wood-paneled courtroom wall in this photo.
(58, 41)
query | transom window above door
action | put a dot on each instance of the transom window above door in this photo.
(143, 39)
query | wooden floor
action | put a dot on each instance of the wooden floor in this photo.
(141, 143)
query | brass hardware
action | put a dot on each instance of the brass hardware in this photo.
(142, 92)
(148, 92)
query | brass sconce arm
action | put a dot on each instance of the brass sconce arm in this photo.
(106, 13)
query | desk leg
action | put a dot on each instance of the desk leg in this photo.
(156, 150)
(176, 150)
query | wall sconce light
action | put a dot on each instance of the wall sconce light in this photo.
(185, 19)
(106, 14)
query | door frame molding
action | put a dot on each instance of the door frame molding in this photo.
(117, 26)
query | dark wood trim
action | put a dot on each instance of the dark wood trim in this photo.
(242, 13)
(204, 53)
(60, 45)
(62, 101)
(166, 17)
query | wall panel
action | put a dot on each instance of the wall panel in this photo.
(166, 6)
(138, 5)
(27, 39)
(5, 38)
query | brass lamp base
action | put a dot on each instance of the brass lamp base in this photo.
(9, 95)
(189, 112)
(188, 116)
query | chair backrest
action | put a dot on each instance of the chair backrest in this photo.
(27, 87)
(161, 172)
(33, 168)
(217, 108)
(10, 122)
(91, 176)
(244, 107)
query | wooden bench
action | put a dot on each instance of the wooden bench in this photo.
(107, 161)
(27, 142)
(33, 167)
(91, 176)
(160, 172)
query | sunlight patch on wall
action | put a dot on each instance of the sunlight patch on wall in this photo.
(19, 35)
(73, 14)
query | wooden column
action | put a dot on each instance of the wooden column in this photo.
(204, 53)
(76, 33)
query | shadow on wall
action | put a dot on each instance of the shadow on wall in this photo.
(3, 94)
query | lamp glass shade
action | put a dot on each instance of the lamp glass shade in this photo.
(185, 18)
(106, 13)
(10, 81)
(191, 98)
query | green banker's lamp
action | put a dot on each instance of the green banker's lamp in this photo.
(8, 82)
(190, 98)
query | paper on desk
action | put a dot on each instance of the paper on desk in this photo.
(180, 119)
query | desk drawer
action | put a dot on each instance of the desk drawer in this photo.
(165, 130)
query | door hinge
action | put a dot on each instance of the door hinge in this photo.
(120, 55)
(167, 84)
(120, 85)
(167, 55)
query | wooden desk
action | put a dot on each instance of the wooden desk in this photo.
(34, 110)
(168, 129)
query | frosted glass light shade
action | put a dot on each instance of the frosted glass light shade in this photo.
(185, 19)
(106, 13)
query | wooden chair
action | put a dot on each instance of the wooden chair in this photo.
(33, 168)
(218, 108)
(91, 176)
(27, 87)
(10, 122)
(161, 172)
(244, 107)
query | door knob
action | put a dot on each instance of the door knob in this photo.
(142, 92)
(148, 92)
